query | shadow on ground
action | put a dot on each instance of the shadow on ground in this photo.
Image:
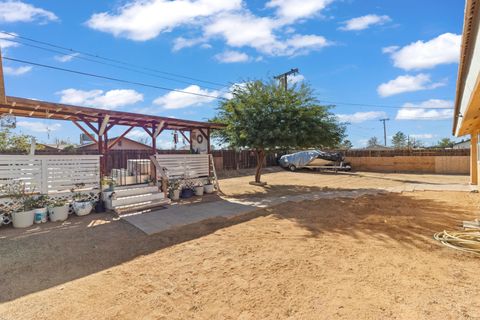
(49, 255)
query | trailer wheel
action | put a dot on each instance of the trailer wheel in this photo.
(292, 167)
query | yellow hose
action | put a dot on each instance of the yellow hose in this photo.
(467, 240)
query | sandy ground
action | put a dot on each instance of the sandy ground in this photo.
(368, 258)
(282, 182)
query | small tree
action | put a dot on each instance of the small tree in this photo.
(445, 143)
(399, 140)
(266, 117)
(372, 142)
(10, 141)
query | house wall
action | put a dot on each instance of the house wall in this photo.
(121, 145)
(413, 164)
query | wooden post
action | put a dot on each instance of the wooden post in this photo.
(154, 150)
(100, 150)
(3, 97)
(474, 158)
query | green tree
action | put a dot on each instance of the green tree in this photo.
(445, 143)
(265, 117)
(10, 141)
(372, 142)
(399, 140)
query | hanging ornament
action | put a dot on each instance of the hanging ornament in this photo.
(175, 137)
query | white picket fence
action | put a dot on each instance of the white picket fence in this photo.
(51, 174)
(184, 166)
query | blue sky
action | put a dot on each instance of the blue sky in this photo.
(400, 54)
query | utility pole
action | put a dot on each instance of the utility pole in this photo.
(283, 78)
(385, 130)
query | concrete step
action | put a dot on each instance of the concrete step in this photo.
(134, 190)
(140, 207)
(139, 198)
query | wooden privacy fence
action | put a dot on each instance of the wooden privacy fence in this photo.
(50, 174)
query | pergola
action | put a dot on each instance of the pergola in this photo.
(101, 121)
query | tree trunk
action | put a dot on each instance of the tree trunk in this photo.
(260, 159)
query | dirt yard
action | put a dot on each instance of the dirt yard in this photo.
(366, 258)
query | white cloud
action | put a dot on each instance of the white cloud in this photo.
(258, 33)
(364, 22)
(294, 79)
(407, 83)
(423, 136)
(231, 56)
(179, 100)
(433, 109)
(144, 20)
(291, 10)
(18, 11)
(11, 71)
(358, 117)
(4, 43)
(444, 49)
(99, 99)
(67, 57)
(181, 43)
(36, 126)
(137, 134)
(390, 49)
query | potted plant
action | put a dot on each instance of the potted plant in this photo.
(58, 209)
(39, 204)
(209, 187)
(174, 189)
(198, 188)
(108, 184)
(82, 205)
(20, 212)
(187, 189)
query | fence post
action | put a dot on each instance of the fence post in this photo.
(44, 176)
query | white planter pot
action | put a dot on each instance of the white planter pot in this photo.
(23, 219)
(40, 215)
(58, 213)
(175, 195)
(209, 188)
(199, 191)
(82, 208)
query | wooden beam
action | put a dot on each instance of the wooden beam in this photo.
(474, 158)
(183, 134)
(88, 124)
(85, 131)
(159, 129)
(203, 133)
(103, 126)
(114, 142)
(147, 131)
(3, 97)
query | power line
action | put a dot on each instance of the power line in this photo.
(109, 59)
(385, 130)
(74, 56)
(377, 106)
(112, 79)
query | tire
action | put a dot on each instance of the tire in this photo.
(292, 167)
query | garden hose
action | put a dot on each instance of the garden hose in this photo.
(467, 240)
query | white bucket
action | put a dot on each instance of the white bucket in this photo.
(58, 213)
(40, 215)
(23, 219)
